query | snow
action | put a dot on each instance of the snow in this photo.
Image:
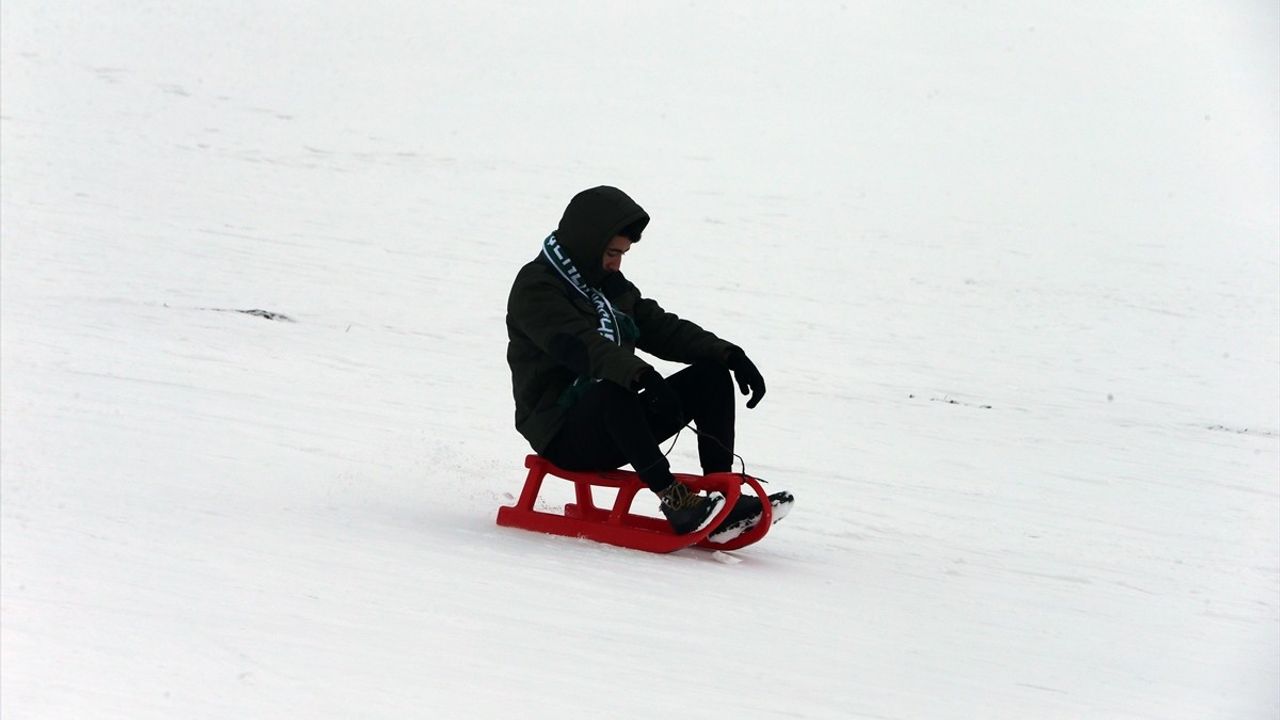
(1010, 271)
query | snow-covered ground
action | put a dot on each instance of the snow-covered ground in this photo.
(1010, 270)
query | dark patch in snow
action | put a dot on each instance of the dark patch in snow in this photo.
(1243, 431)
(267, 314)
(948, 400)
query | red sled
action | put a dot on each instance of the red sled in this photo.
(618, 525)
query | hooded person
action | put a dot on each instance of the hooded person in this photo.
(586, 401)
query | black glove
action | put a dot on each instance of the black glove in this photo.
(663, 402)
(748, 377)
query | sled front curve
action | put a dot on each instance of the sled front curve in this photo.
(617, 525)
(762, 526)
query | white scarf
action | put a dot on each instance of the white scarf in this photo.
(558, 259)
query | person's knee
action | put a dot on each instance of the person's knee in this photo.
(714, 376)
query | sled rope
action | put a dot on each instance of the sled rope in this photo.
(699, 433)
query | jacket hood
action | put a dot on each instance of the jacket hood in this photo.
(591, 220)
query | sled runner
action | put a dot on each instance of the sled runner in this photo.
(618, 525)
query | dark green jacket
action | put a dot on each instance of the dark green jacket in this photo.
(552, 338)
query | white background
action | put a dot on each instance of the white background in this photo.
(1009, 269)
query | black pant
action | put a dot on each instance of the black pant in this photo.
(611, 426)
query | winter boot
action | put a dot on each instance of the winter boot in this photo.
(746, 514)
(686, 511)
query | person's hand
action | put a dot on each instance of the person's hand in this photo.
(663, 402)
(748, 377)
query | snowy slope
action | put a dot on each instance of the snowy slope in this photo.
(1010, 271)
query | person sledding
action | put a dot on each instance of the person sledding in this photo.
(584, 399)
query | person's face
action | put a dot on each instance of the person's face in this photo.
(614, 251)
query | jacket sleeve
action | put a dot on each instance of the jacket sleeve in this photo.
(544, 313)
(664, 335)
